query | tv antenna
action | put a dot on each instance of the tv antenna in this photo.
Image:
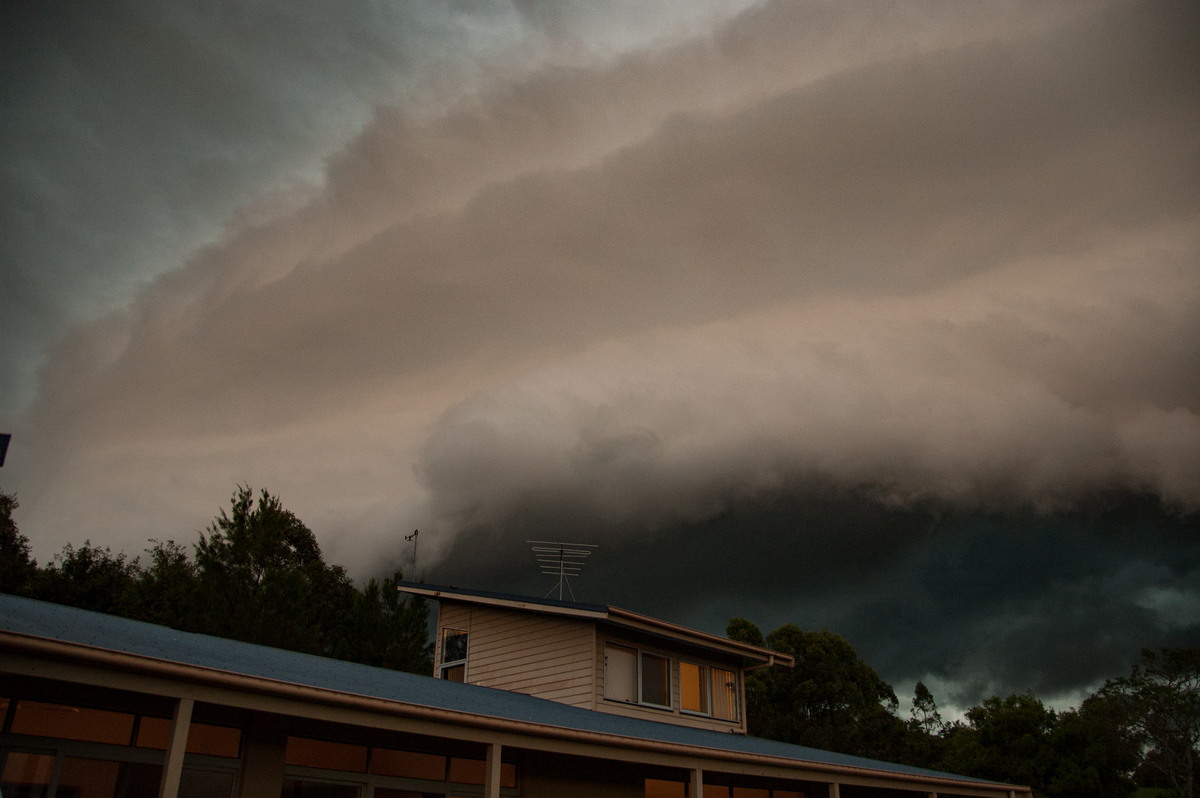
(413, 539)
(563, 560)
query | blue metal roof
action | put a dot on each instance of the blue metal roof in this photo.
(109, 632)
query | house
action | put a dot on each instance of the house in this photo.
(97, 706)
(593, 656)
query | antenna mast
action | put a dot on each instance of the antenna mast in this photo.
(563, 560)
(413, 538)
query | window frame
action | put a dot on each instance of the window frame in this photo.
(447, 665)
(639, 686)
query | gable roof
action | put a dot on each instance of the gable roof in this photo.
(751, 656)
(39, 629)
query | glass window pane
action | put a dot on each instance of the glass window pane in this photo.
(454, 645)
(326, 754)
(142, 779)
(620, 674)
(786, 794)
(467, 771)
(203, 738)
(658, 788)
(455, 673)
(656, 680)
(724, 694)
(409, 764)
(693, 687)
(27, 774)
(205, 784)
(386, 792)
(88, 778)
(750, 792)
(153, 733)
(716, 791)
(299, 788)
(72, 723)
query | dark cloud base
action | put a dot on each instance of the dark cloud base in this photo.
(992, 602)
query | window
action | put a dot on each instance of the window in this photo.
(724, 694)
(387, 772)
(72, 723)
(31, 774)
(453, 665)
(656, 680)
(636, 677)
(620, 674)
(303, 788)
(661, 788)
(693, 687)
(203, 738)
(326, 754)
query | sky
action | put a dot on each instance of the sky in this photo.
(869, 316)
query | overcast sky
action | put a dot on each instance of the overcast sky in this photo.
(881, 317)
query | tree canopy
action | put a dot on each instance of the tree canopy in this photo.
(256, 574)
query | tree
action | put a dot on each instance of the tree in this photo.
(1159, 705)
(1006, 739)
(744, 631)
(1095, 759)
(89, 577)
(924, 713)
(165, 592)
(831, 699)
(262, 578)
(386, 630)
(17, 567)
(923, 743)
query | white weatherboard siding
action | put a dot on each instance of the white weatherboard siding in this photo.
(536, 655)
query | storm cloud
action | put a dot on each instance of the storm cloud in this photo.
(881, 318)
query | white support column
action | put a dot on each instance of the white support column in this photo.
(697, 788)
(181, 720)
(491, 786)
(835, 790)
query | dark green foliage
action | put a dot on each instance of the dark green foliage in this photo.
(17, 567)
(387, 631)
(166, 591)
(924, 741)
(1005, 739)
(89, 577)
(830, 700)
(257, 575)
(264, 580)
(1107, 748)
(744, 631)
(1158, 709)
(1094, 756)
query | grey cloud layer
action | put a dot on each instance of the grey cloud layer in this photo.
(816, 281)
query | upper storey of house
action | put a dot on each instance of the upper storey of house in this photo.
(593, 656)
